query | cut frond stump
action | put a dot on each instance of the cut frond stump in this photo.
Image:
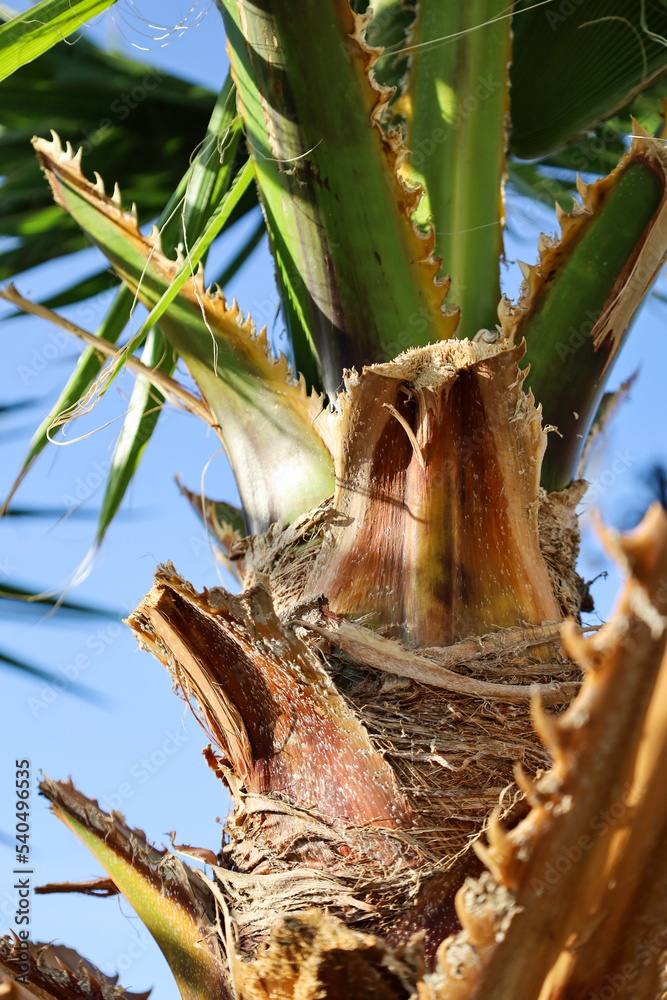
(434, 530)
(363, 763)
(377, 782)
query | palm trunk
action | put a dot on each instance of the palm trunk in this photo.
(367, 698)
(362, 775)
(363, 770)
(429, 802)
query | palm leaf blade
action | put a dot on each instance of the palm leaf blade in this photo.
(32, 33)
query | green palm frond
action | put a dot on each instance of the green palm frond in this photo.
(602, 53)
(377, 698)
(137, 124)
(26, 36)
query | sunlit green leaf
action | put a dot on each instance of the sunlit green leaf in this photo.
(38, 29)
(458, 99)
(580, 299)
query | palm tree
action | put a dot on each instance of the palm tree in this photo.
(429, 801)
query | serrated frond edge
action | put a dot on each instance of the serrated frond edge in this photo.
(238, 330)
(551, 249)
(407, 195)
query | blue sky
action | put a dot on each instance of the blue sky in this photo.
(141, 751)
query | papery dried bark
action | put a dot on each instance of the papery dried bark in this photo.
(268, 704)
(434, 525)
(54, 973)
